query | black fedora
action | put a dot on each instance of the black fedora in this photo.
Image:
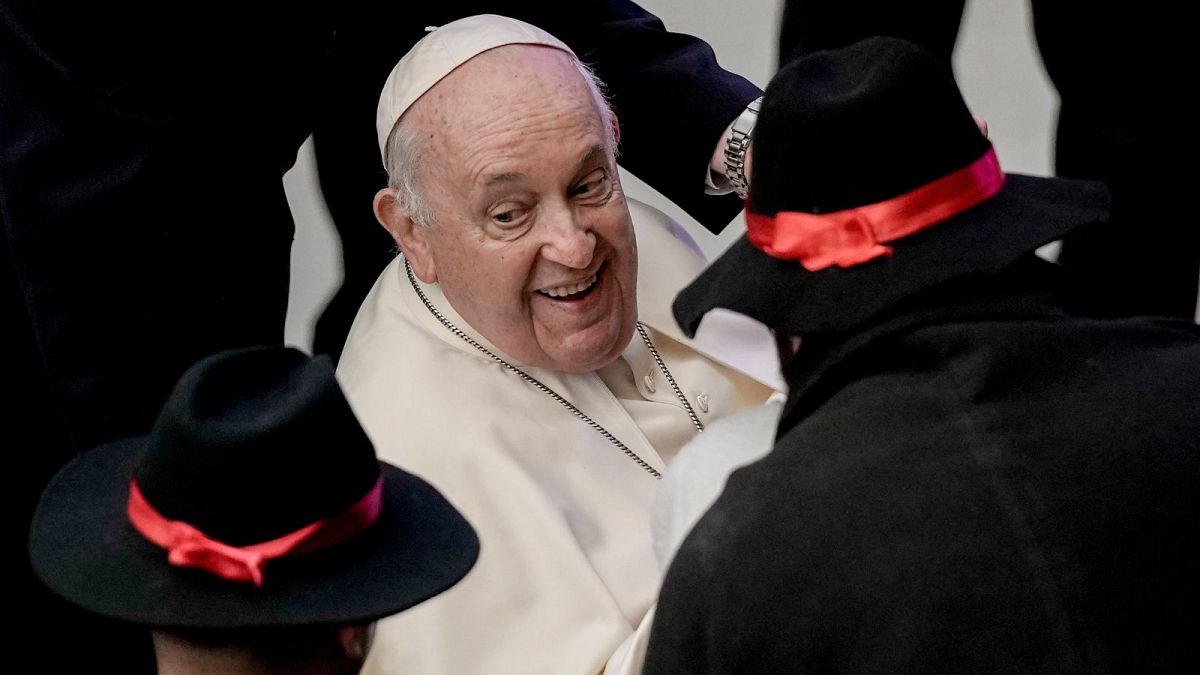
(871, 182)
(266, 491)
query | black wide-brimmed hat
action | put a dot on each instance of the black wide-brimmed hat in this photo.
(256, 500)
(870, 182)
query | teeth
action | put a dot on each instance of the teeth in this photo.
(562, 291)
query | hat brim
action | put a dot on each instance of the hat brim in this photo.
(83, 547)
(1028, 212)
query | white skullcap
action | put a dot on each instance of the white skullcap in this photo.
(441, 51)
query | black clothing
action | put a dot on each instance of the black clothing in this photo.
(984, 479)
(1119, 69)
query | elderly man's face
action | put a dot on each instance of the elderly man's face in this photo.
(532, 242)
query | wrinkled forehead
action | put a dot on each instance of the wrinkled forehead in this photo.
(509, 82)
(521, 110)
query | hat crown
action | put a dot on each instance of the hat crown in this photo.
(280, 420)
(859, 125)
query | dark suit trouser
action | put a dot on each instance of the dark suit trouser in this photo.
(1120, 77)
(145, 226)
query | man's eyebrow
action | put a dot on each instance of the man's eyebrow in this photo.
(591, 154)
(514, 176)
(506, 177)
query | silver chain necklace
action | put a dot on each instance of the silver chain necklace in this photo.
(555, 395)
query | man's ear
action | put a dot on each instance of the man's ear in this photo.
(413, 239)
(355, 641)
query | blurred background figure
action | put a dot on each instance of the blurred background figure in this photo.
(1120, 73)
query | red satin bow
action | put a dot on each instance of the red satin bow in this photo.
(855, 236)
(189, 547)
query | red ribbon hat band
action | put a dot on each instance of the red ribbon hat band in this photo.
(855, 236)
(189, 547)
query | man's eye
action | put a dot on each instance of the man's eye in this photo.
(508, 216)
(594, 185)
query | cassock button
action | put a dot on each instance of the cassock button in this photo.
(702, 402)
(649, 381)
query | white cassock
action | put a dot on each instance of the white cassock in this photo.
(566, 571)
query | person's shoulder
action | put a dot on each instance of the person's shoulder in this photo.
(391, 352)
(644, 214)
(654, 227)
(369, 334)
(668, 259)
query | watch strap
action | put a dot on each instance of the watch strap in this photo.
(735, 147)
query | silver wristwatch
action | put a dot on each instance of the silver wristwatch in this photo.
(735, 147)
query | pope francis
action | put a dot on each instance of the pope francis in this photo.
(518, 357)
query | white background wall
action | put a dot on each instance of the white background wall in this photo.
(996, 64)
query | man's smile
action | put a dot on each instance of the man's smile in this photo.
(572, 292)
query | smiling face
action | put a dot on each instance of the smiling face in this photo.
(532, 242)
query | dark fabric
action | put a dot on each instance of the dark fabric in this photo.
(135, 251)
(808, 26)
(1117, 67)
(873, 121)
(784, 296)
(268, 429)
(253, 444)
(878, 123)
(33, 417)
(83, 546)
(141, 150)
(986, 479)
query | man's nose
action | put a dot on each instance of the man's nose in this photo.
(569, 240)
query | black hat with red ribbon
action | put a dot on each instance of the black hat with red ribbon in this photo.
(256, 500)
(870, 182)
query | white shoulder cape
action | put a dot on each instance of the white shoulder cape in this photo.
(566, 569)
